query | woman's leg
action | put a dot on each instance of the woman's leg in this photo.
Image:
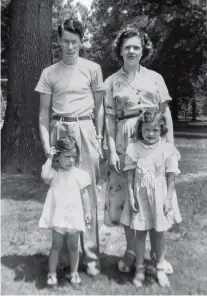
(160, 251)
(57, 243)
(140, 252)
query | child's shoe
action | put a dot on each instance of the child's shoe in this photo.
(75, 280)
(161, 276)
(168, 269)
(139, 277)
(52, 280)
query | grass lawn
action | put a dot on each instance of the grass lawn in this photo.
(25, 248)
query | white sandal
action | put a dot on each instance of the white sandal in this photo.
(168, 269)
(52, 280)
(161, 276)
(92, 270)
(75, 280)
(139, 277)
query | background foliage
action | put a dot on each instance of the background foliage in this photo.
(177, 30)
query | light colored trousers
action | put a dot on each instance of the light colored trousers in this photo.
(85, 135)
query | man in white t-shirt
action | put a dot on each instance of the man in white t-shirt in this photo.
(73, 89)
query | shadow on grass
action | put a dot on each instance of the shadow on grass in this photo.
(109, 269)
(29, 268)
(22, 187)
(33, 268)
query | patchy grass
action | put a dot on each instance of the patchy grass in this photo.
(25, 248)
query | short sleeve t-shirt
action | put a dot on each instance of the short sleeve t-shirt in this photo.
(147, 90)
(71, 87)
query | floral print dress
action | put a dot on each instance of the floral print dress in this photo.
(147, 90)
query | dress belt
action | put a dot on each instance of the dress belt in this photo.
(70, 119)
(130, 116)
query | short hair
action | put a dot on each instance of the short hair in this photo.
(130, 32)
(151, 116)
(72, 25)
(65, 144)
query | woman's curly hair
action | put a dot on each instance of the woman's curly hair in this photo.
(130, 32)
(152, 116)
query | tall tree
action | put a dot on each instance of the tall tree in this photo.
(30, 34)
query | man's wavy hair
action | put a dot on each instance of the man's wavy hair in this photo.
(152, 116)
(72, 25)
(130, 32)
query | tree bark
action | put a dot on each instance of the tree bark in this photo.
(29, 52)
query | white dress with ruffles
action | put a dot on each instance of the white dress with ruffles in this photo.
(151, 163)
(63, 208)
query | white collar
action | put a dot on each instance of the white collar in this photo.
(153, 146)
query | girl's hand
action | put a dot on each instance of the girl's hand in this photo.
(52, 152)
(134, 205)
(167, 206)
(88, 219)
(114, 162)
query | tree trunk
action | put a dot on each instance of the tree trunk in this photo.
(29, 53)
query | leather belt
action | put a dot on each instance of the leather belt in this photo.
(130, 116)
(70, 119)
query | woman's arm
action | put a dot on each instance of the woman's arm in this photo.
(110, 128)
(164, 108)
(130, 189)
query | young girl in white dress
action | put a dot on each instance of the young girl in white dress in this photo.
(151, 165)
(67, 205)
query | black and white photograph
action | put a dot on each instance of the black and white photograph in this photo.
(103, 147)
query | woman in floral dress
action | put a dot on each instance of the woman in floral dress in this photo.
(129, 92)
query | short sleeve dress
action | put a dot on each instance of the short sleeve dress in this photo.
(63, 208)
(151, 163)
(147, 90)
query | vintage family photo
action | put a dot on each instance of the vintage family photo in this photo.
(103, 147)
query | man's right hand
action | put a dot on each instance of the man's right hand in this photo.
(114, 162)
